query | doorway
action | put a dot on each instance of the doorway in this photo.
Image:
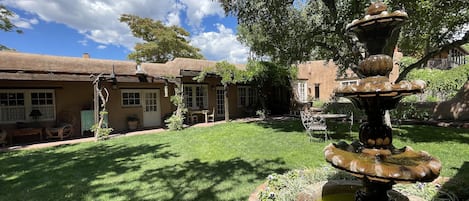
(220, 111)
(151, 107)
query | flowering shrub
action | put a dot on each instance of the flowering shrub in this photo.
(287, 186)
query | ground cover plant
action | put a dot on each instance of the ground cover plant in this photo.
(223, 162)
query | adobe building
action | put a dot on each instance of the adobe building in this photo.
(44, 91)
(318, 79)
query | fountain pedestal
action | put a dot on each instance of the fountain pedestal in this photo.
(373, 158)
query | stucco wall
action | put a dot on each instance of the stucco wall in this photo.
(324, 73)
(70, 99)
(455, 109)
(73, 97)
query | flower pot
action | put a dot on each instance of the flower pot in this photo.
(132, 125)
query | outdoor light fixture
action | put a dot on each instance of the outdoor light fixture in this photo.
(166, 90)
(141, 74)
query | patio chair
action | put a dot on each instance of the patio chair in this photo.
(194, 118)
(3, 137)
(349, 120)
(61, 132)
(312, 123)
(211, 116)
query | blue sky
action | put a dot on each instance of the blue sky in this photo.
(71, 28)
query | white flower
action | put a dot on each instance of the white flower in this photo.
(270, 177)
(271, 195)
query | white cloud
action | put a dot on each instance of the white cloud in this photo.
(23, 22)
(101, 47)
(198, 9)
(221, 45)
(83, 42)
(98, 20)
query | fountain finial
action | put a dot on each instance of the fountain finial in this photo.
(376, 8)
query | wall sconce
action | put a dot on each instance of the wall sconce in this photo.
(166, 90)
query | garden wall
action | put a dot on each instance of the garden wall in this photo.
(455, 109)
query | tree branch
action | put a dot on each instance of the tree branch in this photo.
(330, 4)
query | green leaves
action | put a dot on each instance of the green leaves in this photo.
(5, 23)
(162, 43)
(296, 31)
(444, 83)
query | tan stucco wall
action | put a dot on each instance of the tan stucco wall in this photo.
(456, 108)
(118, 114)
(73, 97)
(324, 73)
(70, 99)
(213, 83)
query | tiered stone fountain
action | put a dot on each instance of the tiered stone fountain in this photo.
(373, 158)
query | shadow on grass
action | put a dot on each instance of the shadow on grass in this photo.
(282, 124)
(125, 172)
(458, 184)
(69, 174)
(198, 180)
(420, 133)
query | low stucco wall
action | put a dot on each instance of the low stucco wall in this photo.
(455, 109)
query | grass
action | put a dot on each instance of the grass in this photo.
(223, 162)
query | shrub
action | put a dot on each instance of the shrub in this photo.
(287, 186)
(101, 131)
(175, 122)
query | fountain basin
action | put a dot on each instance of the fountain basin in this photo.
(343, 190)
(382, 165)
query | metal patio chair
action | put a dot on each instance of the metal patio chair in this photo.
(313, 123)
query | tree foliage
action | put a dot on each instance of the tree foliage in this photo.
(443, 84)
(294, 31)
(259, 74)
(161, 43)
(5, 23)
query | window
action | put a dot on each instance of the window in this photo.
(349, 82)
(130, 98)
(246, 96)
(302, 91)
(16, 105)
(44, 102)
(316, 91)
(196, 96)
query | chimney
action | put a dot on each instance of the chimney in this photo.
(86, 56)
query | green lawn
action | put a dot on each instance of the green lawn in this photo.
(223, 162)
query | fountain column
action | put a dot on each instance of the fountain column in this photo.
(373, 158)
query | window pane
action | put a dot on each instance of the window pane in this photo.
(130, 98)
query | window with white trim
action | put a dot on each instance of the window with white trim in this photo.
(131, 98)
(196, 96)
(348, 82)
(302, 91)
(16, 105)
(246, 96)
(44, 102)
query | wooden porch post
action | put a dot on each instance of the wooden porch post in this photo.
(96, 84)
(227, 107)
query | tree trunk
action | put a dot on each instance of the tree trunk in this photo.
(226, 104)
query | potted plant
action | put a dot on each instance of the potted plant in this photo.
(132, 122)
